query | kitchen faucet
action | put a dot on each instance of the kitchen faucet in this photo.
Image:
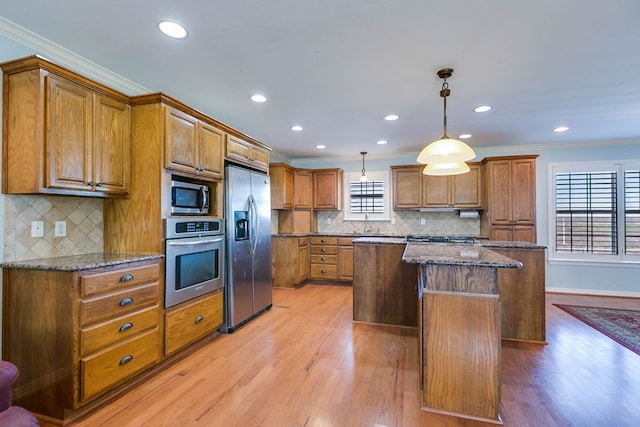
(366, 224)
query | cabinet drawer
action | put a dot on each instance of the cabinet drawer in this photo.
(108, 333)
(303, 241)
(118, 303)
(105, 369)
(323, 240)
(329, 271)
(345, 241)
(192, 321)
(324, 259)
(98, 283)
(326, 250)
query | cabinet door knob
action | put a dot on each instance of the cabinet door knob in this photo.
(323, 259)
(323, 250)
(99, 184)
(323, 271)
(125, 301)
(125, 326)
(128, 358)
(323, 241)
(90, 183)
(199, 319)
(126, 277)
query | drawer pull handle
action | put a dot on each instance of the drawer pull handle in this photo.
(128, 358)
(323, 271)
(199, 319)
(323, 241)
(323, 259)
(323, 250)
(126, 277)
(125, 301)
(125, 326)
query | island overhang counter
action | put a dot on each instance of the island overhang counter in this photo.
(459, 328)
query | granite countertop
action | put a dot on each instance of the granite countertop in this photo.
(397, 240)
(509, 244)
(454, 254)
(79, 262)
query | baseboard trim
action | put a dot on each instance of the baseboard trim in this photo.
(597, 292)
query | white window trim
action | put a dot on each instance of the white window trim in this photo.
(586, 258)
(371, 175)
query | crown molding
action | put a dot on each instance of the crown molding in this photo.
(60, 55)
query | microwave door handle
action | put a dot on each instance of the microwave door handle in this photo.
(203, 198)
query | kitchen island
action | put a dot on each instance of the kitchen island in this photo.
(459, 328)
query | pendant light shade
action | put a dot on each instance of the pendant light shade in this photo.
(363, 177)
(442, 169)
(446, 151)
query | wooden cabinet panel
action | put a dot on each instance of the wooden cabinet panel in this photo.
(407, 185)
(112, 145)
(345, 263)
(190, 321)
(303, 263)
(64, 134)
(510, 205)
(96, 309)
(282, 186)
(324, 271)
(303, 189)
(103, 370)
(248, 153)
(69, 135)
(327, 189)
(192, 146)
(324, 257)
(119, 278)
(412, 190)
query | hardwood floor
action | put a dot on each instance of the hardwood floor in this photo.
(304, 363)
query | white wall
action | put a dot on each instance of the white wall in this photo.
(560, 277)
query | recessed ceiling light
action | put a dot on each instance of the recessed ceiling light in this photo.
(381, 142)
(482, 109)
(172, 29)
(391, 117)
(258, 98)
(320, 146)
(464, 136)
(296, 128)
(561, 129)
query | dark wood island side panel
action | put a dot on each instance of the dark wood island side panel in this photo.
(384, 287)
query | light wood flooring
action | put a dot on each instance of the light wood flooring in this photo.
(304, 363)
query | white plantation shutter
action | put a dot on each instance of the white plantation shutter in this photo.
(366, 197)
(632, 212)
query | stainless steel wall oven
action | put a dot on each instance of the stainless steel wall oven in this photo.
(195, 257)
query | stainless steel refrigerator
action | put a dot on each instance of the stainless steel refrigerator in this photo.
(248, 219)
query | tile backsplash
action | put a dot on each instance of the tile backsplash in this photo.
(84, 228)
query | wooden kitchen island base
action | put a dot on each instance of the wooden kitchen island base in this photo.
(460, 342)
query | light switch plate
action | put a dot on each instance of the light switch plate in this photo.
(61, 229)
(37, 228)
(423, 221)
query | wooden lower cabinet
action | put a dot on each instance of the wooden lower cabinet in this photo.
(384, 287)
(289, 260)
(522, 295)
(345, 259)
(74, 335)
(324, 258)
(192, 320)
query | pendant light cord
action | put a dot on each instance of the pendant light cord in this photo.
(444, 92)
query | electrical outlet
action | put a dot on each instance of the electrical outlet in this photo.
(328, 220)
(423, 221)
(37, 228)
(61, 229)
(393, 221)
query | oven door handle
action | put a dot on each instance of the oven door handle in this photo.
(197, 242)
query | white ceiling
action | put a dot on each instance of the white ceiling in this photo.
(337, 67)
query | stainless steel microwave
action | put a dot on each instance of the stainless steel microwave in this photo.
(189, 199)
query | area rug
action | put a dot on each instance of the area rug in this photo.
(622, 326)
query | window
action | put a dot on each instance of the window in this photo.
(370, 198)
(595, 212)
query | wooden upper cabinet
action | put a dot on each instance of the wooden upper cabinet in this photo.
(63, 133)
(327, 189)
(407, 184)
(112, 147)
(247, 152)
(281, 186)
(454, 191)
(412, 190)
(510, 201)
(302, 189)
(192, 146)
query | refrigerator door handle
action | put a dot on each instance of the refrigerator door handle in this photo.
(254, 223)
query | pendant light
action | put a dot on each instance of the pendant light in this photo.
(363, 177)
(447, 152)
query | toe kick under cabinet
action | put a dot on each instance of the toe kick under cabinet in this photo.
(76, 335)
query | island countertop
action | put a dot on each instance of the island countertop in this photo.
(456, 254)
(79, 262)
